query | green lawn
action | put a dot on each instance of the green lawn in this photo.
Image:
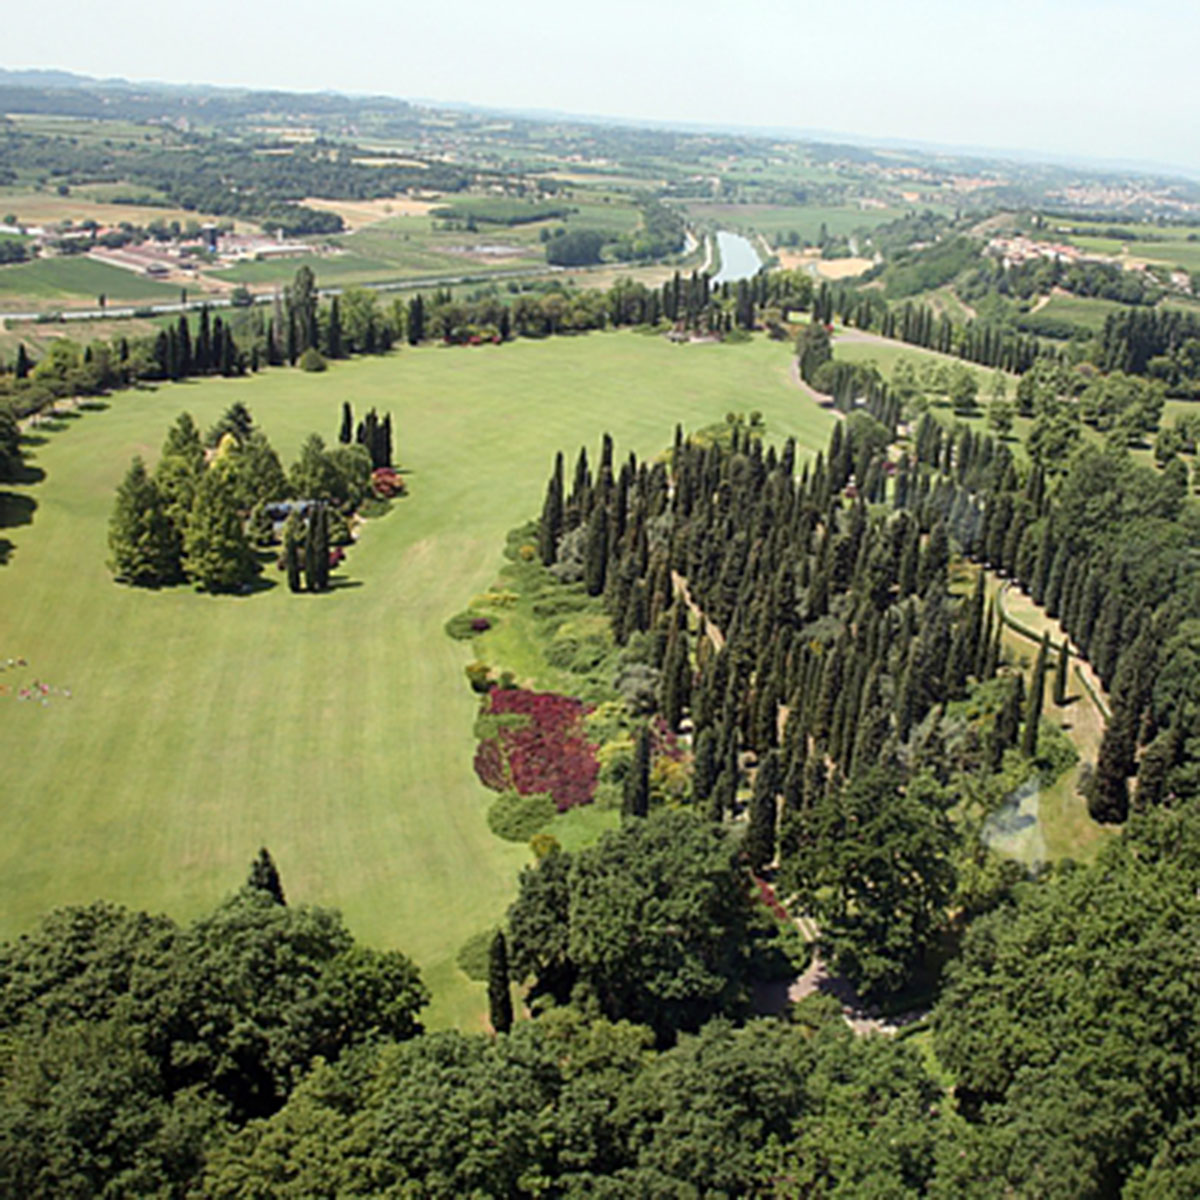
(335, 729)
(75, 278)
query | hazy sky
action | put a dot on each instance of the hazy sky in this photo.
(1097, 78)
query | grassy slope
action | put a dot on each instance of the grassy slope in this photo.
(334, 729)
(76, 278)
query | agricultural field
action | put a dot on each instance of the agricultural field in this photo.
(75, 281)
(1170, 245)
(337, 728)
(416, 245)
(1085, 311)
(806, 220)
(92, 203)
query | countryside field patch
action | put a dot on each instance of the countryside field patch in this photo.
(75, 280)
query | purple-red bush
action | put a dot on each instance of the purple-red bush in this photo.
(548, 752)
(766, 893)
(388, 482)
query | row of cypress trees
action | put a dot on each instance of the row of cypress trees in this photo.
(828, 634)
(1102, 555)
(306, 549)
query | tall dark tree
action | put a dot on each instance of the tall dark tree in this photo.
(293, 533)
(333, 330)
(415, 324)
(758, 845)
(637, 782)
(500, 1007)
(1060, 674)
(264, 876)
(23, 364)
(346, 433)
(550, 527)
(595, 554)
(1037, 697)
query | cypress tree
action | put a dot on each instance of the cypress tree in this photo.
(1037, 694)
(500, 1009)
(724, 794)
(1153, 770)
(1060, 674)
(23, 364)
(1054, 585)
(202, 355)
(184, 359)
(265, 876)
(637, 782)
(676, 678)
(322, 543)
(333, 331)
(1108, 797)
(346, 433)
(312, 549)
(292, 533)
(595, 557)
(704, 768)
(416, 320)
(758, 844)
(550, 527)
(935, 559)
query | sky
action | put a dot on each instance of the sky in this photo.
(1097, 79)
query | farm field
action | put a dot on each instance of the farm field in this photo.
(92, 203)
(806, 220)
(75, 280)
(1085, 311)
(1171, 251)
(335, 729)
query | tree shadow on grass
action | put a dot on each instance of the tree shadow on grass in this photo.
(16, 509)
(28, 474)
(6, 549)
(93, 405)
(54, 424)
(340, 585)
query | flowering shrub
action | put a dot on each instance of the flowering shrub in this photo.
(547, 752)
(388, 482)
(766, 893)
(663, 742)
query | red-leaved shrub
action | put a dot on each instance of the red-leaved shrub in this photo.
(388, 482)
(766, 893)
(548, 752)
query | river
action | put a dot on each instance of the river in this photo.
(739, 259)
